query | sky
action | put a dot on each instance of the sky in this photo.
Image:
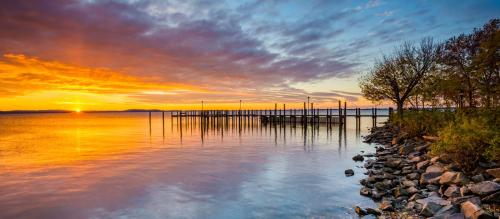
(142, 54)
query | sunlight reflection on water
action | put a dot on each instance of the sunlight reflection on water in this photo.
(103, 165)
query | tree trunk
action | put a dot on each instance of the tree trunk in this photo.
(400, 109)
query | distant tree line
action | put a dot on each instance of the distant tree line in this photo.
(461, 72)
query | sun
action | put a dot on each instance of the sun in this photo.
(78, 110)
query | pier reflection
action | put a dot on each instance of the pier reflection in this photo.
(309, 133)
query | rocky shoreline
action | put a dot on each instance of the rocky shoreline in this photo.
(409, 183)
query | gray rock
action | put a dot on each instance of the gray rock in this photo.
(471, 210)
(377, 195)
(358, 158)
(429, 209)
(488, 165)
(349, 172)
(393, 162)
(407, 148)
(365, 191)
(432, 188)
(485, 188)
(447, 211)
(452, 191)
(477, 178)
(471, 198)
(430, 178)
(455, 216)
(434, 198)
(416, 196)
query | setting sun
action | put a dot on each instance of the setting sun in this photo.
(77, 110)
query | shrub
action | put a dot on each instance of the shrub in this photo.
(469, 139)
(425, 122)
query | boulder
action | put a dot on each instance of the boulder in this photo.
(416, 196)
(399, 191)
(408, 183)
(434, 198)
(430, 178)
(422, 165)
(360, 211)
(477, 178)
(432, 188)
(452, 191)
(452, 177)
(416, 159)
(488, 165)
(377, 195)
(435, 169)
(471, 198)
(373, 212)
(358, 158)
(429, 209)
(365, 191)
(386, 206)
(447, 210)
(484, 188)
(494, 172)
(407, 148)
(493, 198)
(471, 210)
(435, 159)
(464, 190)
(412, 190)
(349, 172)
(413, 176)
(393, 162)
(455, 216)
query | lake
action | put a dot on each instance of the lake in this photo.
(113, 165)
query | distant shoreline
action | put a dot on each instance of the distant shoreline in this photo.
(70, 111)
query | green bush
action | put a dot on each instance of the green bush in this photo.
(426, 122)
(468, 140)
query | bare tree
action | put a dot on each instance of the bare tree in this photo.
(394, 77)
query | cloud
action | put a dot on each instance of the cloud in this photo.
(21, 75)
(171, 46)
(219, 50)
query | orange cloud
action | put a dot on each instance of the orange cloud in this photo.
(53, 84)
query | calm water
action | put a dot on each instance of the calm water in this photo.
(105, 165)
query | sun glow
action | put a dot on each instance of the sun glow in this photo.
(78, 110)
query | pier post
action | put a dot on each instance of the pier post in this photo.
(340, 112)
(284, 113)
(304, 114)
(345, 112)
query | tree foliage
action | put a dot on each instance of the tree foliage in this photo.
(461, 72)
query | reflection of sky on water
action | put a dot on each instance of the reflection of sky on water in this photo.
(108, 166)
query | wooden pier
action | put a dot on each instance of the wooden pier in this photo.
(308, 114)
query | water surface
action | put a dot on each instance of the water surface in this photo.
(113, 165)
